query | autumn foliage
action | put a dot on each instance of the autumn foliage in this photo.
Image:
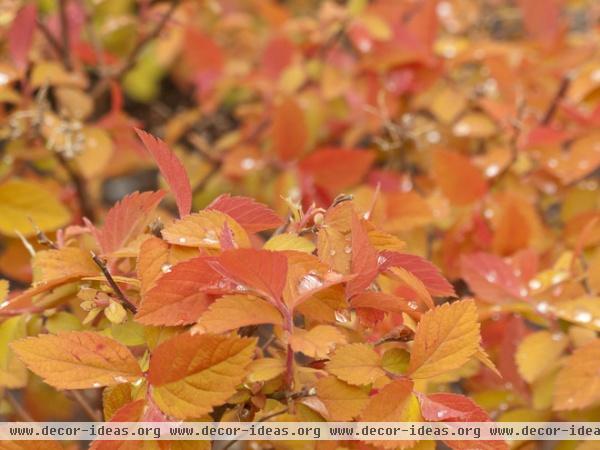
(261, 210)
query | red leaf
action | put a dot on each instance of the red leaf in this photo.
(126, 219)
(261, 270)
(459, 179)
(425, 271)
(276, 56)
(445, 407)
(381, 301)
(364, 260)
(20, 35)
(491, 278)
(543, 24)
(171, 169)
(251, 215)
(180, 296)
(226, 240)
(289, 132)
(336, 169)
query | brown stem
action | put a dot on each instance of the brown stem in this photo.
(94, 39)
(80, 187)
(262, 419)
(18, 408)
(92, 413)
(41, 237)
(113, 284)
(101, 87)
(50, 38)
(64, 33)
(553, 107)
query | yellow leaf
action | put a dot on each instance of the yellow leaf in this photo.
(97, 151)
(115, 312)
(67, 263)
(52, 73)
(356, 364)
(445, 339)
(13, 373)
(584, 311)
(318, 342)
(30, 445)
(204, 229)
(395, 360)
(381, 240)
(539, 353)
(578, 383)
(3, 290)
(78, 359)
(484, 359)
(322, 306)
(474, 125)
(23, 200)
(265, 369)
(343, 401)
(113, 397)
(234, 311)
(192, 374)
(289, 241)
(395, 402)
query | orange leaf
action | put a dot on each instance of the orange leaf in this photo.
(542, 24)
(192, 374)
(78, 359)
(204, 229)
(30, 445)
(171, 169)
(20, 35)
(250, 214)
(180, 296)
(578, 385)
(126, 219)
(445, 339)
(234, 311)
(491, 278)
(356, 364)
(411, 287)
(153, 261)
(364, 260)
(343, 401)
(317, 342)
(394, 403)
(336, 169)
(260, 270)
(381, 301)
(289, 133)
(444, 407)
(458, 178)
(306, 278)
(430, 275)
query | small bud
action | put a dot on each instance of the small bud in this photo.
(115, 312)
(318, 218)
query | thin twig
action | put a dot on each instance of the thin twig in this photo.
(553, 107)
(132, 58)
(94, 39)
(262, 419)
(64, 33)
(50, 38)
(41, 237)
(202, 184)
(17, 407)
(113, 284)
(80, 187)
(92, 413)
